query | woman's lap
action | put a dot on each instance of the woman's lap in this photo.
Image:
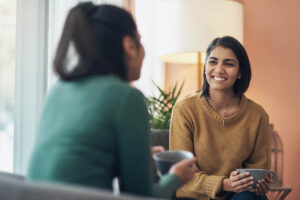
(236, 196)
(248, 196)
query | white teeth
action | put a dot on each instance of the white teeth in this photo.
(219, 78)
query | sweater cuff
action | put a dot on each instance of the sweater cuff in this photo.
(214, 186)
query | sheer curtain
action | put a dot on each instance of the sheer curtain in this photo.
(153, 69)
(58, 11)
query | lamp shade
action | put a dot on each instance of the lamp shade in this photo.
(188, 26)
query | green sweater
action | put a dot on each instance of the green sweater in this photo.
(220, 144)
(93, 130)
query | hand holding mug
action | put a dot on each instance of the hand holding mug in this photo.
(185, 169)
(263, 186)
(182, 163)
(262, 179)
(238, 182)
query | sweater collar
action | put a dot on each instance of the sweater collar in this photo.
(224, 120)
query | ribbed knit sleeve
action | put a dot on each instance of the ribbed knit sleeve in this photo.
(133, 139)
(134, 150)
(261, 154)
(181, 138)
(203, 185)
(181, 131)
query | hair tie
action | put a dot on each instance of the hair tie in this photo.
(87, 7)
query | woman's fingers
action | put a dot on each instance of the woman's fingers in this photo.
(185, 169)
(245, 189)
(192, 163)
(263, 187)
(194, 166)
(267, 186)
(156, 149)
(234, 177)
(241, 182)
(259, 187)
(243, 185)
(257, 192)
(234, 173)
(269, 180)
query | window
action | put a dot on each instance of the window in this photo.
(7, 68)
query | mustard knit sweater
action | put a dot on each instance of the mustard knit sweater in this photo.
(220, 144)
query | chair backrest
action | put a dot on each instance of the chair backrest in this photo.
(18, 189)
(160, 138)
(11, 176)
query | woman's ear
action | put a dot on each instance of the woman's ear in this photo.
(129, 46)
(239, 75)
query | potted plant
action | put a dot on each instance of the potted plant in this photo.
(160, 110)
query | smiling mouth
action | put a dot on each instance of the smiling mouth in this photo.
(217, 78)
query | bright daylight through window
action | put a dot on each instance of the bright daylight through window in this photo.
(7, 68)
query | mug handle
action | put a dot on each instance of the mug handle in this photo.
(272, 172)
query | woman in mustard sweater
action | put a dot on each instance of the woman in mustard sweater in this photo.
(95, 126)
(223, 128)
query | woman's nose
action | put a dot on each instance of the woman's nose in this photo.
(220, 68)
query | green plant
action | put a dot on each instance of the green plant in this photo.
(160, 108)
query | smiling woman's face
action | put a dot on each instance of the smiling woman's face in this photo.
(222, 69)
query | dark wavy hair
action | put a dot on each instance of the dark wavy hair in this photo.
(241, 85)
(96, 33)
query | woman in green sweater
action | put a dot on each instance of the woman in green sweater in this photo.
(95, 126)
(223, 128)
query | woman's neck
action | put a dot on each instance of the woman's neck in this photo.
(223, 102)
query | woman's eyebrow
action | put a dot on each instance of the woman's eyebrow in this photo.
(229, 59)
(213, 58)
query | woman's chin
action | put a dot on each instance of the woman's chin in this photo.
(221, 88)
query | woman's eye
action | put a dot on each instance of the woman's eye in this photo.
(212, 62)
(229, 64)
